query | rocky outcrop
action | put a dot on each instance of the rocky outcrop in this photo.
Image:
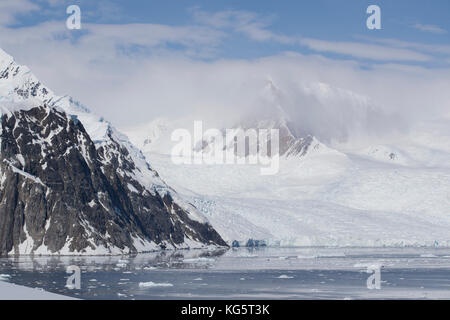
(72, 184)
(290, 143)
(59, 193)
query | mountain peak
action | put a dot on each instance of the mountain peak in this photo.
(274, 96)
(73, 184)
(5, 59)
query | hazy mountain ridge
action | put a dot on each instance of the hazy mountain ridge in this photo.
(354, 191)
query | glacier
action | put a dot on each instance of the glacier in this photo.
(372, 193)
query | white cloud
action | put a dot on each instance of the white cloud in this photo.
(224, 19)
(105, 41)
(130, 87)
(133, 90)
(430, 28)
(55, 3)
(256, 28)
(10, 9)
(362, 50)
(248, 23)
(149, 35)
(416, 46)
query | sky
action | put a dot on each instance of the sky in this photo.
(132, 61)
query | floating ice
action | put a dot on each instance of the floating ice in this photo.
(153, 284)
(283, 276)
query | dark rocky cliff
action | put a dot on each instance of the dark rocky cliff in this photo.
(61, 193)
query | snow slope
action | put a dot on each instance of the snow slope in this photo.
(395, 194)
(9, 291)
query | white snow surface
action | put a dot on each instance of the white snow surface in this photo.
(395, 194)
(9, 291)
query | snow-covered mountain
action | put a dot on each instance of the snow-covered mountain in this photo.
(325, 194)
(72, 184)
(155, 136)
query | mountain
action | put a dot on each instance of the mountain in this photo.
(155, 135)
(72, 184)
(294, 140)
(290, 142)
(392, 191)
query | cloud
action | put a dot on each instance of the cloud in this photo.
(248, 23)
(256, 28)
(429, 28)
(107, 41)
(54, 3)
(362, 50)
(11, 9)
(416, 46)
(149, 36)
(132, 73)
(130, 90)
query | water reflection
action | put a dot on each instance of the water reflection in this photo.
(179, 259)
(247, 273)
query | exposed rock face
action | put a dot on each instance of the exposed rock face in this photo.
(70, 189)
(59, 191)
(290, 143)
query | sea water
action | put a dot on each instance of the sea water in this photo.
(244, 273)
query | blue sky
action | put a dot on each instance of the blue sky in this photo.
(175, 56)
(426, 22)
